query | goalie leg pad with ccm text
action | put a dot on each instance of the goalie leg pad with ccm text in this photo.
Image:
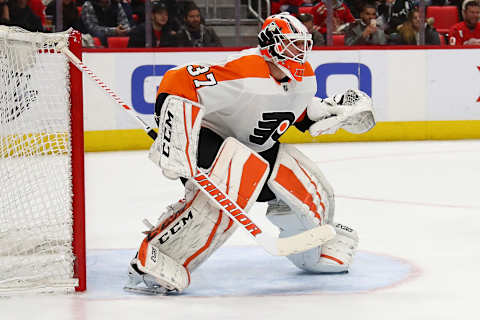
(175, 149)
(192, 230)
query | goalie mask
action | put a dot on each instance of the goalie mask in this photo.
(285, 41)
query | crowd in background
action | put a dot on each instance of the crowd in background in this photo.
(385, 22)
(179, 23)
(174, 22)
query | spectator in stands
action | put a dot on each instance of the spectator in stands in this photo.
(163, 34)
(194, 33)
(365, 31)
(393, 13)
(356, 6)
(71, 17)
(317, 37)
(467, 32)
(341, 16)
(105, 18)
(175, 13)
(291, 6)
(174, 7)
(410, 30)
(17, 13)
(38, 9)
(127, 8)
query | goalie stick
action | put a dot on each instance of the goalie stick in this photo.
(273, 245)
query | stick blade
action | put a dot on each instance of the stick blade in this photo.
(306, 240)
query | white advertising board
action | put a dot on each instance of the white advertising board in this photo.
(406, 85)
(453, 85)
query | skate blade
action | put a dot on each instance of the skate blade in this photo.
(153, 291)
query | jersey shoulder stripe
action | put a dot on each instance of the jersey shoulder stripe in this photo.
(178, 82)
(247, 66)
(185, 80)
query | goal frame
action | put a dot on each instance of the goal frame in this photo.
(77, 161)
(73, 83)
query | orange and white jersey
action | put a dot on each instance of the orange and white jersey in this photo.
(241, 99)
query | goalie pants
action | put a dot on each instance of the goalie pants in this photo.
(208, 145)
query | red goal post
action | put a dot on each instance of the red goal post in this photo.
(42, 199)
(78, 174)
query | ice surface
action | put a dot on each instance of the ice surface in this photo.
(415, 205)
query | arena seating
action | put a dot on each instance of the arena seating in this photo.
(117, 42)
(445, 17)
(338, 40)
(97, 42)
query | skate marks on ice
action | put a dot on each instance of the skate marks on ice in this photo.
(249, 271)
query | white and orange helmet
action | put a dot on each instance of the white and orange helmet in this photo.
(285, 41)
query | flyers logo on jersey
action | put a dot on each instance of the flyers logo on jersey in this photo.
(273, 125)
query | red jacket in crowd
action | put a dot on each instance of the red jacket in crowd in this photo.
(341, 14)
(459, 34)
(38, 8)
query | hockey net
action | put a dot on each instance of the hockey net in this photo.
(41, 164)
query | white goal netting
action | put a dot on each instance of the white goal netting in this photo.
(35, 164)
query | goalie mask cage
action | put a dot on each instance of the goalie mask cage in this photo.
(42, 234)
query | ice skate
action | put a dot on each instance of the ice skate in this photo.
(142, 283)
